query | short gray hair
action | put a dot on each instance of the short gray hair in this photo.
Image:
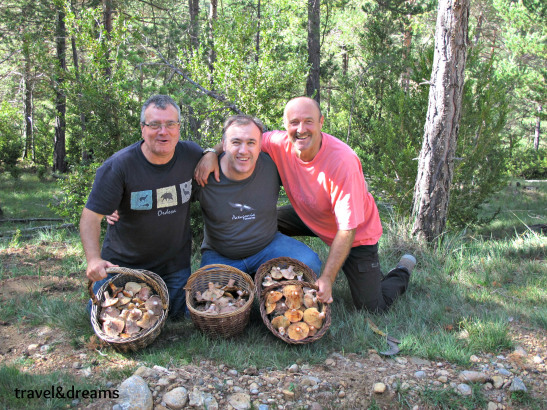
(242, 119)
(161, 102)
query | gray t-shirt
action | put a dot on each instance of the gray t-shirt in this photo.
(240, 217)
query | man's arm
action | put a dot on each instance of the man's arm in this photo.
(339, 251)
(207, 164)
(90, 232)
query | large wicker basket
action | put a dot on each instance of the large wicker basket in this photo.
(283, 262)
(124, 275)
(226, 324)
(324, 307)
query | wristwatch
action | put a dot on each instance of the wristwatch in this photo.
(206, 150)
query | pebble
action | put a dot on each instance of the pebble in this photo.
(176, 399)
(240, 401)
(379, 388)
(518, 385)
(294, 368)
(134, 394)
(497, 381)
(472, 377)
(420, 374)
(465, 389)
(504, 372)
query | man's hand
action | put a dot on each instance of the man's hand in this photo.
(324, 294)
(206, 165)
(113, 217)
(96, 269)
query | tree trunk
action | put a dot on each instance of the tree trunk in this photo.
(538, 128)
(29, 135)
(59, 150)
(212, 55)
(436, 161)
(193, 8)
(257, 56)
(314, 49)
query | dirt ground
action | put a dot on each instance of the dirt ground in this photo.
(17, 341)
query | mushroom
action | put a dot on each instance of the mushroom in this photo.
(274, 296)
(276, 274)
(293, 296)
(113, 327)
(134, 315)
(288, 273)
(115, 290)
(123, 300)
(109, 313)
(270, 306)
(213, 293)
(154, 306)
(280, 308)
(133, 287)
(314, 318)
(313, 331)
(268, 281)
(227, 309)
(144, 293)
(310, 299)
(280, 321)
(294, 315)
(298, 331)
(131, 327)
(147, 320)
(108, 301)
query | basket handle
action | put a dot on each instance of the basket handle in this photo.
(90, 283)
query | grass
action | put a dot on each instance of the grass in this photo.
(461, 301)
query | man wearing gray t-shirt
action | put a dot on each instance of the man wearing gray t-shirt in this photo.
(240, 211)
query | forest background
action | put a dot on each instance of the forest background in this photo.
(75, 74)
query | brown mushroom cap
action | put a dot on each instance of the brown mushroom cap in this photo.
(154, 305)
(293, 296)
(281, 321)
(115, 289)
(268, 281)
(134, 314)
(270, 307)
(144, 293)
(212, 293)
(274, 296)
(109, 313)
(294, 315)
(313, 317)
(275, 273)
(147, 320)
(312, 331)
(131, 327)
(298, 331)
(280, 308)
(108, 301)
(133, 287)
(288, 273)
(113, 327)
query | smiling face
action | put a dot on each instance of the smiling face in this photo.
(159, 145)
(303, 122)
(241, 147)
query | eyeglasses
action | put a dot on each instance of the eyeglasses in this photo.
(170, 125)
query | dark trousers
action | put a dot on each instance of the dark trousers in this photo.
(369, 288)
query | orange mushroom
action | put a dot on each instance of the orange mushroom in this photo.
(293, 296)
(313, 317)
(281, 321)
(294, 315)
(274, 296)
(298, 331)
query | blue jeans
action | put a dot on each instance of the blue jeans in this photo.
(175, 282)
(281, 245)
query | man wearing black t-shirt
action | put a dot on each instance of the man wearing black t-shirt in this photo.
(150, 184)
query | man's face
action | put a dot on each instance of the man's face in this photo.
(242, 147)
(303, 122)
(159, 145)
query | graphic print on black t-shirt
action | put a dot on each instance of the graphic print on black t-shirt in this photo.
(167, 196)
(141, 200)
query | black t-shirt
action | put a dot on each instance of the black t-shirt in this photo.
(153, 232)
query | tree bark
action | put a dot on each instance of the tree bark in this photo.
(538, 128)
(29, 134)
(212, 55)
(314, 49)
(59, 150)
(193, 8)
(436, 161)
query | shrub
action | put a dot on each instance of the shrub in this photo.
(528, 164)
(10, 138)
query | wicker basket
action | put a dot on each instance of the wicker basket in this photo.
(283, 262)
(322, 307)
(124, 275)
(226, 324)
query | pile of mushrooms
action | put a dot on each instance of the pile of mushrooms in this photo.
(294, 311)
(277, 275)
(129, 310)
(217, 299)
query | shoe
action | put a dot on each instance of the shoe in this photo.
(407, 262)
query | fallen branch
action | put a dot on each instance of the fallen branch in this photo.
(19, 220)
(37, 228)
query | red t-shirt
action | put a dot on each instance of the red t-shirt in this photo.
(329, 192)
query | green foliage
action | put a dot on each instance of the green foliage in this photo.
(11, 145)
(528, 163)
(75, 190)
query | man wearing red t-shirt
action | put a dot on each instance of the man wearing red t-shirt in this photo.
(324, 181)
